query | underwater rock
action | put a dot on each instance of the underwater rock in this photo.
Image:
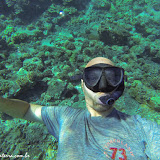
(79, 4)
(19, 38)
(33, 64)
(156, 82)
(140, 28)
(155, 103)
(69, 45)
(102, 4)
(54, 91)
(113, 35)
(156, 6)
(139, 91)
(28, 10)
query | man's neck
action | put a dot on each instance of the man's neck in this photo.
(95, 113)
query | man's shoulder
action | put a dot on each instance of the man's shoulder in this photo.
(60, 115)
(134, 117)
(61, 110)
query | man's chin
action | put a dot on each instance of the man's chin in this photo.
(100, 107)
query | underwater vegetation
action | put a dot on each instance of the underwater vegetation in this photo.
(45, 42)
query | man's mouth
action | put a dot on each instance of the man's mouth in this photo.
(107, 100)
(100, 102)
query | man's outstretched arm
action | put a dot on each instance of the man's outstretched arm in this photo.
(34, 113)
(20, 109)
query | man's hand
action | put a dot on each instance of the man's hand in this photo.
(21, 109)
(14, 107)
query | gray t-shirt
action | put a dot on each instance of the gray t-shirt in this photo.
(117, 136)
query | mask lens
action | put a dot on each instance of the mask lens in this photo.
(92, 75)
(114, 75)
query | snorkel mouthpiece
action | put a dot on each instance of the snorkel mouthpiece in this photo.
(109, 101)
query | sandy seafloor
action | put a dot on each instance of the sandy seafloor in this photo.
(45, 42)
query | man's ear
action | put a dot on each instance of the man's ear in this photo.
(82, 84)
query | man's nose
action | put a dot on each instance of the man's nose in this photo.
(102, 84)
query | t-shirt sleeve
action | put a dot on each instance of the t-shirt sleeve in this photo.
(53, 117)
(150, 132)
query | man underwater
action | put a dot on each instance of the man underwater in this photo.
(99, 132)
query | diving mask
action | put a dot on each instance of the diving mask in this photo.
(103, 77)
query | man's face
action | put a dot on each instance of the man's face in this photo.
(91, 97)
(101, 82)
